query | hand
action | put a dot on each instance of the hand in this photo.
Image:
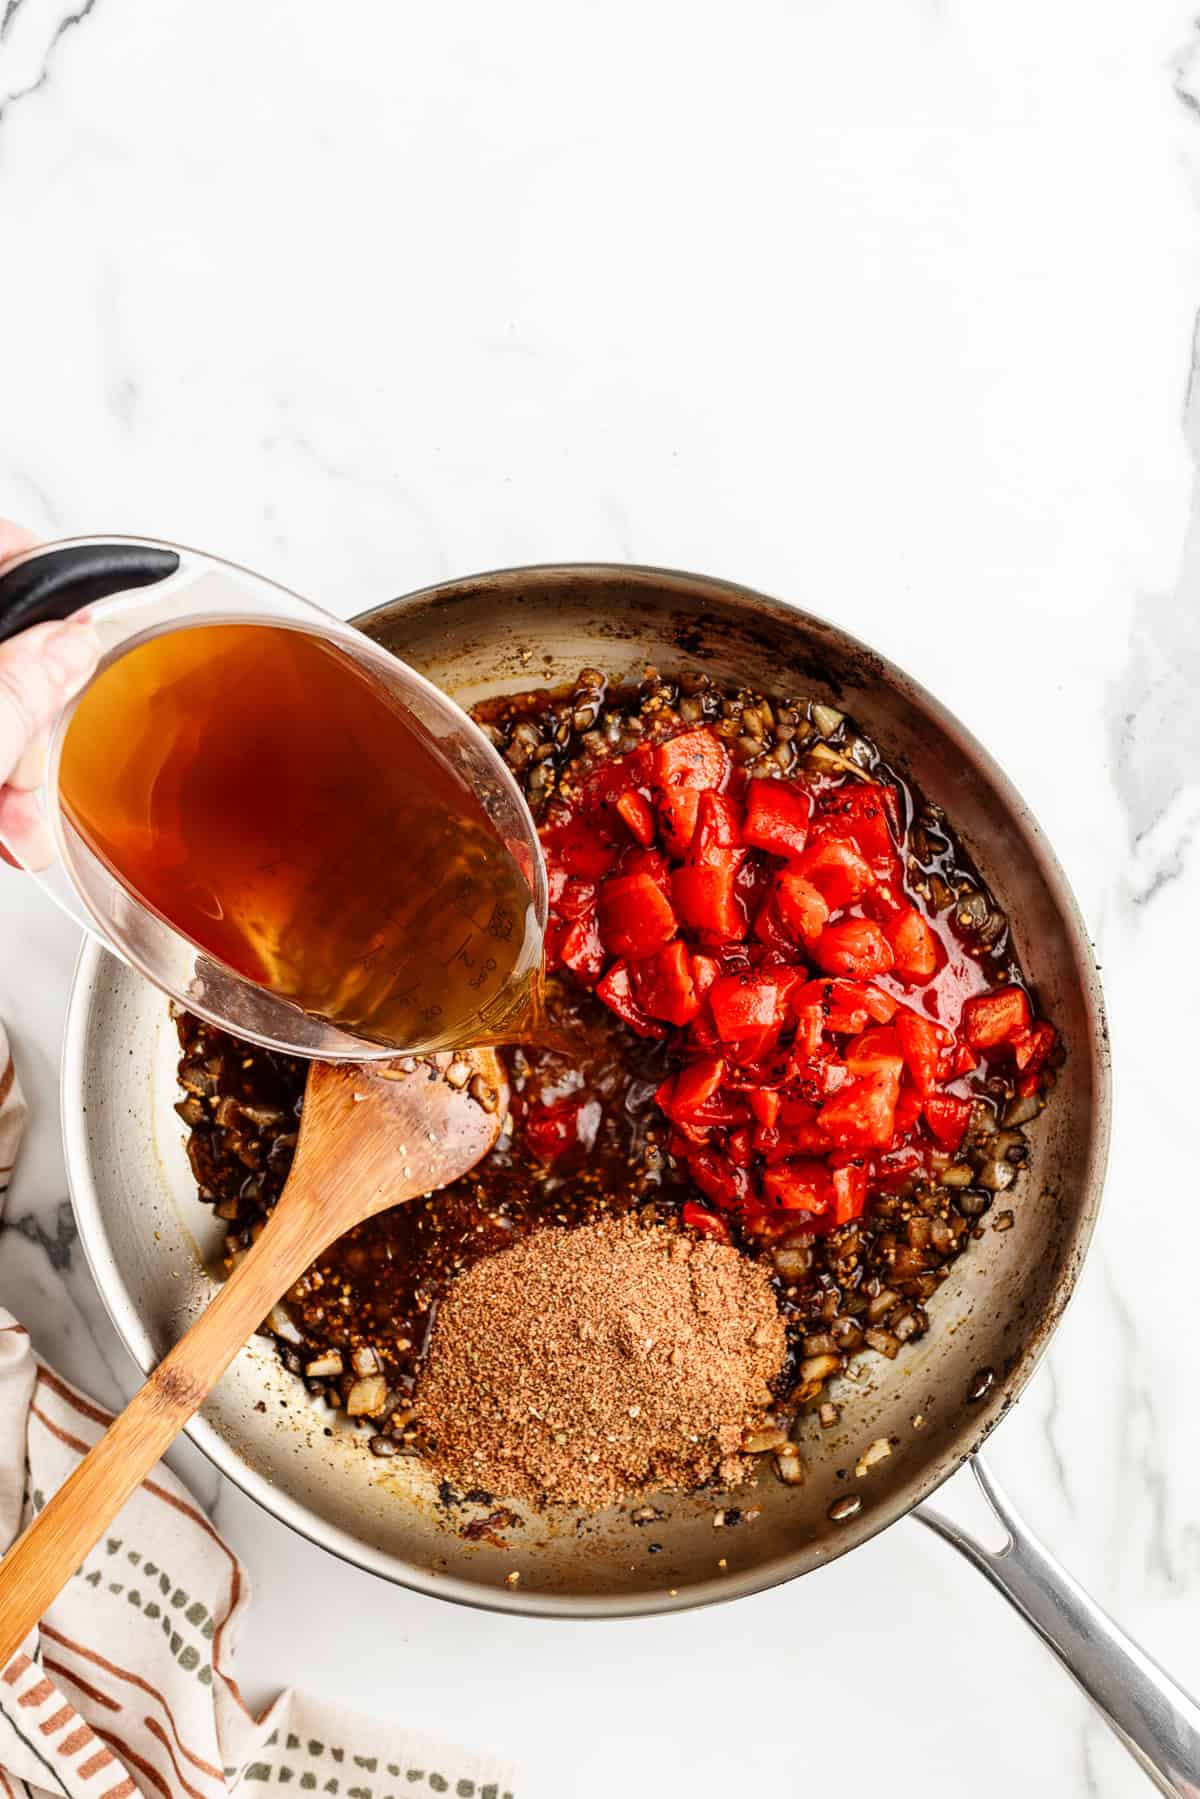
(39, 671)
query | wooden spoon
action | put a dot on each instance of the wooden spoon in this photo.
(369, 1139)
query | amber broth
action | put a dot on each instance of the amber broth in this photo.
(275, 804)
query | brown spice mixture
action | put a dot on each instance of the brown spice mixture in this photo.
(582, 1365)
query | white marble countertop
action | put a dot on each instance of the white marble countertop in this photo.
(887, 309)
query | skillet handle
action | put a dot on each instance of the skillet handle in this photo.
(52, 582)
(1156, 1720)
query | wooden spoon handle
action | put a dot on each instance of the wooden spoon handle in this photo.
(55, 1543)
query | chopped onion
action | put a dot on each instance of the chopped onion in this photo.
(997, 1175)
(818, 1368)
(790, 1468)
(1003, 1143)
(878, 1451)
(792, 1263)
(283, 1324)
(827, 719)
(771, 1436)
(960, 1175)
(367, 1397)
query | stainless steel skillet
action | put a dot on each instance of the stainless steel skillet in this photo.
(141, 1225)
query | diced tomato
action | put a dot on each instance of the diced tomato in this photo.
(556, 881)
(879, 1042)
(704, 973)
(684, 767)
(1032, 1049)
(694, 1084)
(948, 1118)
(765, 1103)
(677, 814)
(551, 1130)
(794, 1111)
(798, 1186)
(606, 781)
(581, 949)
(957, 1060)
(638, 815)
(993, 1018)
(798, 1140)
(837, 870)
(664, 986)
(914, 945)
(800, 1097)
(706, 899)
(777, 815)
(635, 915)
(770, 929)
(709, 1224)
(849, 1192)
(750, 1052)
(876, 1061)
(846, 1006)
(702, 1035)
(884, 904)
(863, 811)
(855, 947)
(716, 1176)
(691, 1134)
(896, 1167)
(696, 758)
(920, 1043)
(616, 990)
(842, 1005)
(576, 898)
(810, 1024)
(718, 827)
(744, 1005)
(800, 905)
(727, 1108)
(862, 1115)
(908, 1112)
(881, 1006)
(766, 1139)
(637, 860)
(580, 850)
(737, 1146)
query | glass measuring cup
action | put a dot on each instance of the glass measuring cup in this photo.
(139, 590)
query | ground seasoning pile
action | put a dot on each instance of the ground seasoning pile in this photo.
(583, 1365)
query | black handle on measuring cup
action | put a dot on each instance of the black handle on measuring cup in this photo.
(54, 582)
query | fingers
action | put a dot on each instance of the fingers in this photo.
(30, 771)
(23, 830)
(14, 539)
(22, 697)
(39, 672)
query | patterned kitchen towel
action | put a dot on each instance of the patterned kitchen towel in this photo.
(127, 1686)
